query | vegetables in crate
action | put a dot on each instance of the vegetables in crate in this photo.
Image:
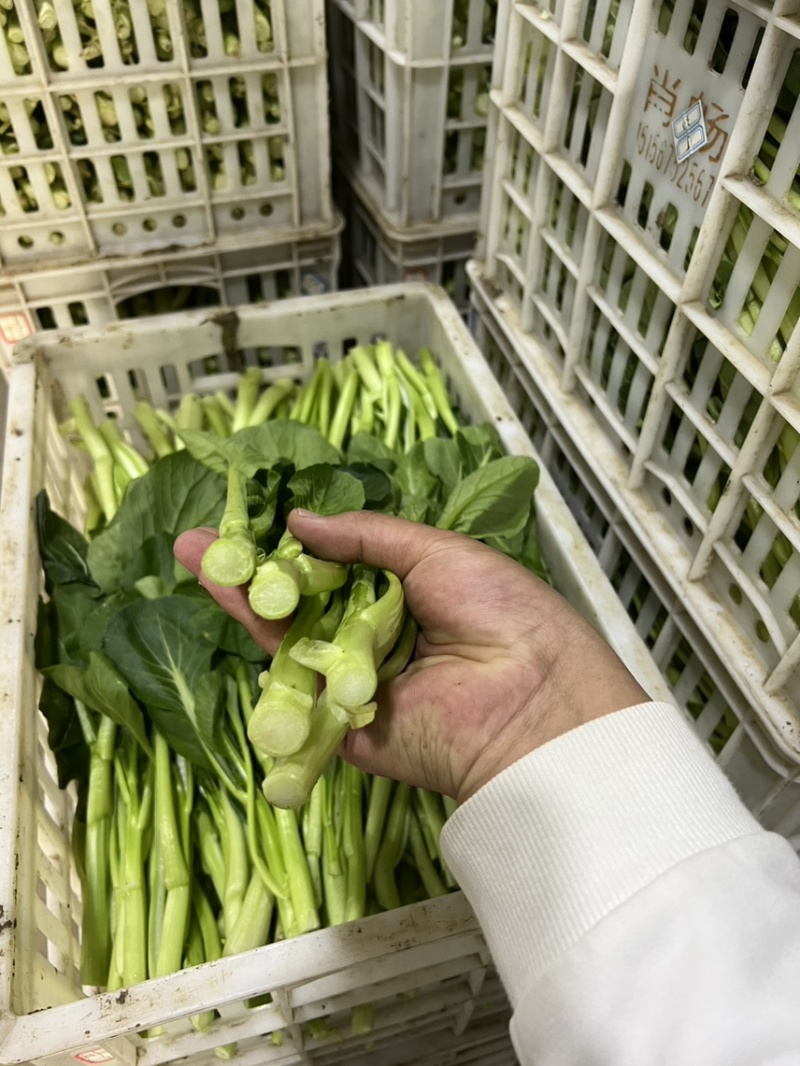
(151, 689)
(117, 107)
(84, 23)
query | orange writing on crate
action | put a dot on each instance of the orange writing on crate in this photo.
(717, 136)
(693, 176)
(661, 97)
(688, 176)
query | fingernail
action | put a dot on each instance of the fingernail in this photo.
(301, 513)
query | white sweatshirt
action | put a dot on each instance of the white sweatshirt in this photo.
(637, 913)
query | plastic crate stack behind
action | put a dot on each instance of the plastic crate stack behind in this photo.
(640, 259)
(374, 253)
(409, 98)
(158, 130)
(425, 967)
(699, 682)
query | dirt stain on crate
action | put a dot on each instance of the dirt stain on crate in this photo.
(228, 322)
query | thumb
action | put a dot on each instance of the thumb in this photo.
(368, 537)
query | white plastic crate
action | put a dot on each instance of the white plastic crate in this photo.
(658, 301)
(173, 143)
(425, 965)
(727, 620)
(376, 253)
(409, 96)
(699, 678)
(235, 272)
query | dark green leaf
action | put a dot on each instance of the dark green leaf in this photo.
(176, 729)
(493, 501)
(154, 647)
(364, 448)
(413, 475)
(61, 546)
(74, 605)
(94, 628)
(45, 643)
(108, 692)
(478, 445)
(101, 689)
(444, 461)
(153, 558)
(206, 448)
(64, 734)
(325, 490)
(379, 489)
(216, 626)
(178, 494)
(414, 509)
(261, 447)
(208, 704)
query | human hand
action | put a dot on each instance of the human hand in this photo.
(502, 663)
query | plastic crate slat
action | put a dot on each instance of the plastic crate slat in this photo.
(786, 667)
(612, 318)
(610, 417)
(415, 958)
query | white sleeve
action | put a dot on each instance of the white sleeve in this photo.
(635, 910)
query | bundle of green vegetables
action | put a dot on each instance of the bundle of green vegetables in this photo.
(213, 815)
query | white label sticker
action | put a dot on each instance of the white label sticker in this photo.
(14, 327)
(314, 284)
(94, 1055)
(689, 132)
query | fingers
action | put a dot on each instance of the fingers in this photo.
(367, 537)
(189, 550)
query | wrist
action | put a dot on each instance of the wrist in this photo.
(582, 680)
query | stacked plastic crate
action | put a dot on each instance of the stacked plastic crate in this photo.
(637, 286)
(409, 99)
(156, 155)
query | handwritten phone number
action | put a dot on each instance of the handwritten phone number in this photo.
(687, 176)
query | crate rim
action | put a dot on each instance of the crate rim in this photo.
(107, 1015)
(420, 231)
(228, 242)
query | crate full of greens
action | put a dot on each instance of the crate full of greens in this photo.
(145, 124)
(188, 865)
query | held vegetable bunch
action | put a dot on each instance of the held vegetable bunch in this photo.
(150, 687)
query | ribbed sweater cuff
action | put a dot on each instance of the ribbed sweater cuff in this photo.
(557, 840)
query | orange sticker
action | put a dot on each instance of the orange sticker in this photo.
(14, 327)
(94, 1055)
